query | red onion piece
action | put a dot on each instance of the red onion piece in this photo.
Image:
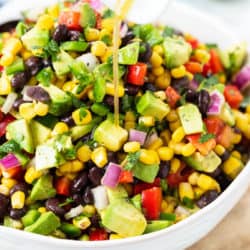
(123, 30)
(112, 174)
(193, 84)
(216, 102)
(9, 161)
(242, 79)
(9, 103)
(100, 197)
(137, 135)
(96, 5)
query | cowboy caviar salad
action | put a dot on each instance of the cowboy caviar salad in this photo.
(68, 171)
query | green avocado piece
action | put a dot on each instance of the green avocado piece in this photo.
(70, 230)
(46, 224)
(128, 55)
(203, 163)
(111, 136)
(191, 119)
(22, 158)
(40, 133)
(62, 63)
(150, 105)
(20, 132)
(146, 173)
(30, 217)
(88, 17)
(119, 192)
(157, 225)
(226, 115)
(136, 201)
(15, 67)
(61, 102)
(9, 222)
(79, 46)
(177, 52)
(43, 188)
(124, 219)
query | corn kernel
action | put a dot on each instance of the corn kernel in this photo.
(110, 89)
(4, 190)
(69, 86)
(236, 138)
(5, 85)
(81, 222)
(84, 153)
(99, 156)
(163, 81)
(177, 147)
(156, 60)
(26, 54)
(236, 154)
(160, 94)
(198, 192)
(129, 116)
(108, 24)
(219, 149)
(206, 182)
(232, 166)
(27, 110)
(131, 147)
(53, 11)
(158, 71)
(248, 109)
(193, 178)
(190, 76)
(188, 149)
(89, 210)
(115, 237)
(7, 59)
(17, 200)
(165, 136)
(147, 121)
(151, 77)
(155, 144)
(129, 125)
(77, 166)
(175, 125)
(42, 210)
(60, 128)
(185, 190)
(98, 48)
(164, 206)
(202, 56)
(178, 134)
(149, 157)
(41, 109)
(165, 153)
(178, 72)
(107, 54)
(91, 94)
(82, 116)
(13, 46)
(59, 173)
(158, 49)
(71, 176)
(174, 165)
(91, 34)
(8, 182)
(45, 22)
(32, 174)
(172, 116)
(222, 78)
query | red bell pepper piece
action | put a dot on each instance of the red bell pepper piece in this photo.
(126, 177)
(151, 202)
(1, 115)
(193, 42)
(225, 137)
(71, 19)
(172, 96)
(62, 186)
(194, 67)
(138, 188)
(98, 234)
(15, 173)
(214, 125)
(4, 123)
(233, 96)
(215, 62)
(204, 147)
(206, 69)
(136, 73)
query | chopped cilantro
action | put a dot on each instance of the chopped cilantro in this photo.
(9, 147)
(45, 76)
(132, 160)
(168, 31)
(82, 113)
(66, 202)
(51, 49)
(168, 216)
(206, 137)
(188, 202)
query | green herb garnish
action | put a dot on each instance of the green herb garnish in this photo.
(206, 137)
(132, 159)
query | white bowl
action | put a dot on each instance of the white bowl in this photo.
(182, 234)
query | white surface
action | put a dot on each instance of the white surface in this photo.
(184, 233)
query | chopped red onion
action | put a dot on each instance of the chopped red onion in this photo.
(193, 84)
(137, 135)
(123, 30)
(9, 103)
(112, 174)
(96, 5)
(216, 102)
(100, 197)
(9, 161)
(150, 139)
(242, 79)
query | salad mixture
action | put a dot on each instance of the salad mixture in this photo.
(69, 171)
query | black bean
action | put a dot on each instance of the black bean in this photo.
(207, 198)
(19, 80)
(8, 26)
(181, 85)
(61, 33)
(109, 100)
(164, 169)
(47, 63)
(203, 101)
(34, 64)
(149, 86)
(20, 187)
(79, 183)
(68, 120)
(74, 35)
(223, 180)
(4, 202)
(53, 205)
(95, 175)
(88, 196)
(95, 220)
(112, 156)
(225, 155)
(216, 172)
(38, 93)
(127, 38)
(145, 52)
(18, 102)
(17, 214)
(191, 96)
(132, 89)
(78, 199)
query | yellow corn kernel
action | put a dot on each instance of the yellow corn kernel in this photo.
(164, 206)
(186, 190)
(108, 24)
(42, 210)
(13, 46)
(45, 22)
(129, 116)
(190, 76)
(91, 34)
(193, 178)
(155, 144)
(232, 166)
(32, 81)
(107, 54)
(198, 192)
(236, 154)
(206, 182)
(110, 89)
(7, 59)
(147, 121)
(4, 190)
(91, 94)
(236, 138)
(131, 147)
(149, 157)
(178, 72)
(103, 33)
(177, 147)
(160, 94)
(248, 109)
(58, 172)
(26, 54)
(129, 125)
(172, 116)
(89, 210)
(174, 165)
(165, 153)
(32, 174)
(202, 56)
(69, 86)
(178, 134)
(188, 149)
(174, 125)
(158, 71)
(99, 156)
(8, 182)
(60, 128)
(156, 60)
(151, 77)
(163, 81)
(27, 110)
(17, 200)
(98, 48)
(222, 78)
(84, 153)
(41, 109)
(115, 237)
(81, 222)
(165, 136)
(82, 116)
(77, 166)
(171, 201)
(65, 168)
(53, 11)
(5, 85)
(219, 149)
(158, 49)
(71, 176)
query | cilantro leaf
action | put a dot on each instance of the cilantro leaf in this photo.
(66, 202)
(51, 49)
(206, 137)
(82, 113)
(45, 76)
(9, 147)
(132, 160)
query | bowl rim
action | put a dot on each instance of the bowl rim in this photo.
(136, 239)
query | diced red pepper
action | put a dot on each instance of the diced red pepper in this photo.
(1, 115)
(172, 96)
(15, 173)
(4, 123)
(215, 62)
(225, 137)
(151, 203)
(233, 96)
(62, 186)
(98, 234)
(71, 19)
(204, 147)
(137, 73)
(194, 67)
(138, 188)
(206, 69)
(126, 177)
(193, 42)
(214, 125)
(98, 19)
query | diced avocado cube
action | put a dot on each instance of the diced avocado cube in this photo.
(40, 133)
(62, 63)
(15, 67)
(128, 55)
(70, 230)
(191, 119)
(203, 163)
(46, 224)
(157, 225)
(111, 136)
(119, 192)
(22, 158)
(20, 132)
(79, 46)
(150, 105)
(9, 222)
(136, 201)
(146, 173)
(88, 17)
(43, 188)
(30, 217)
(177, 52)
(124, 219)
(226, 115)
